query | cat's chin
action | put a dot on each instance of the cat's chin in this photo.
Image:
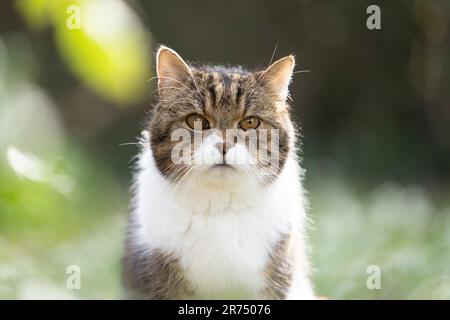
(222, 176)
(222, 172)
(222, 166)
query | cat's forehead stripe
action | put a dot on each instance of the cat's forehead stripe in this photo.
(222, 89)
(229, 95)
(211, 91)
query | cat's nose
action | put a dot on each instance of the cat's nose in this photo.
(222, 147)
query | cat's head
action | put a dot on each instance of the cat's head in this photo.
(221, 124)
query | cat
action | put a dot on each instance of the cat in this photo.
(213, 227)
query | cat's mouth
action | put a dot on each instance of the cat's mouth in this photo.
(223, 166)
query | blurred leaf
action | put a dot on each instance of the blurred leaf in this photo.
(109, 51)
(35, 12)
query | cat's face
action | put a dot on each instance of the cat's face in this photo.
(221, 124)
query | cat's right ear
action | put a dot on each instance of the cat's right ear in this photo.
(278, 76)
(171, 69)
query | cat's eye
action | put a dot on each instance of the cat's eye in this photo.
(193, 118)
(249, 123)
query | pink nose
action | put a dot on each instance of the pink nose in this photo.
(222, 147)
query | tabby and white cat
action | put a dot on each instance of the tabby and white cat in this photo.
(218, 229)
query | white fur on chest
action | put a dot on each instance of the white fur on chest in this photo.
(223, 237)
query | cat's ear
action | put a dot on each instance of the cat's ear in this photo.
(171, 69)
(278, 75)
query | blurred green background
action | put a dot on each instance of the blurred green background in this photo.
(374, 112)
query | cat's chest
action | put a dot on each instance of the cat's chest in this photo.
(229, 251)
(223, 246)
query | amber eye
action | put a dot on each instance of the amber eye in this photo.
(193, 118)
(249, 123)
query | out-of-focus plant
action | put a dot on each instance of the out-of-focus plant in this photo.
(102, 41)
(396, 228)
(55, 196)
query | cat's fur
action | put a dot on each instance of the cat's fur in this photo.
(210, 232)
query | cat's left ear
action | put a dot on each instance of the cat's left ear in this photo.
(278, 75)
(171, 69)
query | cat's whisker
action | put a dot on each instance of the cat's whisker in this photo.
(189, 177)
(250, 171)
(269, 169)
(193, 178)
(133, 158)
(175, 179)
(273, 55)
(129, 144)
(301, 71)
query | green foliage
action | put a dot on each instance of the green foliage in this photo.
(44, 230)
(103, 44)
